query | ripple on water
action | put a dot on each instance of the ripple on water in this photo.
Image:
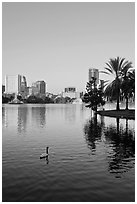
(87, 161)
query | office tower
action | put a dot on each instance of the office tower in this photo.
(33, 90)
(71, 93)
(11, 84)
(94, 73)
(70, 89)
(41, 86)
(23, 87)
(15, 84)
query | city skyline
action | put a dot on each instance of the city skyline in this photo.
(60, 42)
(15, 84)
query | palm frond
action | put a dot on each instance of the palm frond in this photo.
(121, 62)
(104, 72)
(114, 65)
(121, 68)
(109, 70)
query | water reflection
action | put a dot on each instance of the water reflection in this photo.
(70, 113)
(119, 142)
(47, 159)
(4, 117)
(92, 130)
(122, 143)
(22, 118)
(39, 115)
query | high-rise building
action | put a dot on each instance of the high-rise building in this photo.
(33, 90)
(41, 86)
(94, 73)
(23, 87)
(71, 93)
(15, 84)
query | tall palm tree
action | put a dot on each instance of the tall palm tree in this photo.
(116, 67)
(128, 85)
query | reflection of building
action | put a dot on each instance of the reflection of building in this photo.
(94, 73)
(16, 84)
(22, 118)
(70, 113)
(71, 93)
(39, 116)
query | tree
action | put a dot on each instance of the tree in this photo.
(34, 99)
(93, 96)
(128, 85)
(48, 100)
(116, 67)
(5, 99)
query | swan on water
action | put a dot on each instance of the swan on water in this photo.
(44, 155)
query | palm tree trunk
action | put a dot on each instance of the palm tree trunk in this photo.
(118, 93)
(117, 120)
(126, 126)
(118, 103)
(126, 103)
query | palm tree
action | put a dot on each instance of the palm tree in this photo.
(128, 85)
(116, 67)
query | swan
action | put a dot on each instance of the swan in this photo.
(44, 155)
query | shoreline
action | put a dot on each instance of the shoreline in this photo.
(126, 114)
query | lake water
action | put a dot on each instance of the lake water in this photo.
(90, 159)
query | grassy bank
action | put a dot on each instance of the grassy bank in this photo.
(128, 114)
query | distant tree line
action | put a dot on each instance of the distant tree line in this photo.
(41, 100)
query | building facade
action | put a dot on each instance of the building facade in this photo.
(16, 84)
(94, 73)
(38, 88)
(70, 92)
(41, 85)
(33, 90)
(70, 89)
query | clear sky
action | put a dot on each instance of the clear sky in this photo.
(59, 42)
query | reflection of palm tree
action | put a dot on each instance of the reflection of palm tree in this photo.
(123, 149)
(92, 130)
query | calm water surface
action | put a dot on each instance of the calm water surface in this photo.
(90, 159)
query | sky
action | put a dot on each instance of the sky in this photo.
(59, 42)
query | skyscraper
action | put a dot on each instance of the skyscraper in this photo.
(94, 73)
(41, 86)
(15, 84)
